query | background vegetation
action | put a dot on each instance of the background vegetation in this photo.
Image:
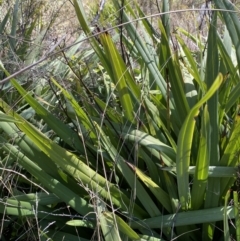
(123, 128)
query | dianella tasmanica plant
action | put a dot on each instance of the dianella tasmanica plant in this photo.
(133, 136)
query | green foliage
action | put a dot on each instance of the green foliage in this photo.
(22, 34)
(144, 145)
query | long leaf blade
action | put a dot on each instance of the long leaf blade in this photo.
(185, 143)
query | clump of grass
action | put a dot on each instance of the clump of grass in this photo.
(128, 136)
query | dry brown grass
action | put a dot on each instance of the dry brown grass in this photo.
(60, 18)
(67, 23)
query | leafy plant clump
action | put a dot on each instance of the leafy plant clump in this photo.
(129, 135)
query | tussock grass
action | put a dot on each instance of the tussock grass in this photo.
(129, 134)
